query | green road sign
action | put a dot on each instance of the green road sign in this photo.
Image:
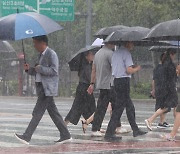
(10, 6)
(59, 10)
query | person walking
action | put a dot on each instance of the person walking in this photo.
(172, 135)
(84, 103)
(102, 75)
(119, 129)
(122, 68)
(46, 78)
(166, 93)
(157, 73)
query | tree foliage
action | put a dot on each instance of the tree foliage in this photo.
(144, 13)
(106, 13)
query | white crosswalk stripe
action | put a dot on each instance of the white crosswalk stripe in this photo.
(15, 116)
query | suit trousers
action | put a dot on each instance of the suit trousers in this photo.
(123, 100)
(113, 100)
(43, 103)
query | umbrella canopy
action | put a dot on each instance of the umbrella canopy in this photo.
(76, 60)
(163, 48)
(6, 50)
(169, 30)
(26, 25)
(137, 28)
(128, 34)
(104, 32)
(6, 47)
(132, 34)
(114, 37)
(98, 42)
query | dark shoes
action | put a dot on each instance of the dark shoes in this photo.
(112, 138)
(164, 125)
(138, 133)
(22, 139)
(63, 140)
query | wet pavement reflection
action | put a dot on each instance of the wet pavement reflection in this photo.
(15, 113)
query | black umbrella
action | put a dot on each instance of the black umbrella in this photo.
(169, 30)
(104, 32)
(137, 28)
(127, 35)
(76, 60)
(163, 48)
(132, 34)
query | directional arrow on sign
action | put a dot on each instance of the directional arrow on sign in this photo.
(46, 9)
(56, 9)
(45, 1)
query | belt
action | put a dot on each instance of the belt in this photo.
(38, 83)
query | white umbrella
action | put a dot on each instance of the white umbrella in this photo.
(98, 42)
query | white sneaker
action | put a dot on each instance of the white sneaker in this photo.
(148, 125)
(122, 130)
(96, 134)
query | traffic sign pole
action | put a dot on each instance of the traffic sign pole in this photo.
(38, 5)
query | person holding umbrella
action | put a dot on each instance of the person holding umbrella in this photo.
(103, 33)
(158, 73)
(102, 76)
(84, 104)
(46, 78)
(166, 93)
(169, 31)
(171, 136)
(122, 69)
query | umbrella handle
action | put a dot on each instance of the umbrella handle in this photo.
(178, 52)
(23, 51)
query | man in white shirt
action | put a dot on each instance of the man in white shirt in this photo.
(122, 68)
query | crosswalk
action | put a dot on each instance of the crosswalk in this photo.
(15, 114)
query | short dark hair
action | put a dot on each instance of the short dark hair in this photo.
(162, 56)
(42, 38)
(88, 52)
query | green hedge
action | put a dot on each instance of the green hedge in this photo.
(141, 91)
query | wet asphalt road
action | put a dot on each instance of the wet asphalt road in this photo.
(15, 113)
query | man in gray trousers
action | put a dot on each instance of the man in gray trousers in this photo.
(46, 78)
